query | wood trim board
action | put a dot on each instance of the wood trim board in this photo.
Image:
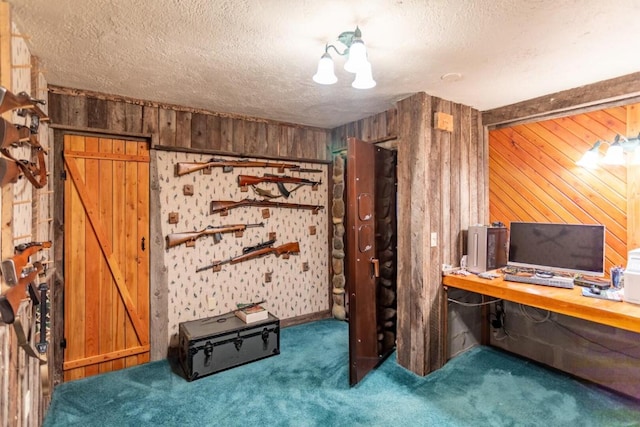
(569, 302)
(611, 90)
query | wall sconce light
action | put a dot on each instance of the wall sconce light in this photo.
(357, 62)
(615, 153)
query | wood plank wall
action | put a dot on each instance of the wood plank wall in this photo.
(442, 189)
(533, 176)
(373, 128)
(184, 127)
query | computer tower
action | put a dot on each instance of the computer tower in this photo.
(486, 248)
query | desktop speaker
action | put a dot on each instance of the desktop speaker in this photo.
(486, 248)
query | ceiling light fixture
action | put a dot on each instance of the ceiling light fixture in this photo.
(615, 153)
(357, 62)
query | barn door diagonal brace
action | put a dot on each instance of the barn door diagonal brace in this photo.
(105, 245)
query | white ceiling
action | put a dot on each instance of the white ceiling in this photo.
(256, 57)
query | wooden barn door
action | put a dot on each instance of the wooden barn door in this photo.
(371, 255)
(106, 260)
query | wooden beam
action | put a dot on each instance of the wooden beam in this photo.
(158, 275)
(615, 89)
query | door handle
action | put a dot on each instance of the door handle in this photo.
(142, 244)
(376, 267)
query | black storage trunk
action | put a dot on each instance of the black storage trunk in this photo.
(210, 345)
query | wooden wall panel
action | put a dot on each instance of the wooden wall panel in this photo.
(132, 116)
(213, 130)
(442, 189)
(176, 126)
(183, 129)
(533, 176)
(198, 131)
(151, 123)
(633, 183)
(115, 114)
(373, 128)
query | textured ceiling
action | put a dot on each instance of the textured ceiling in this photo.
(256, 57)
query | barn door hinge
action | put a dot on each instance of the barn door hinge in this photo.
(63, 175)
(63, 343)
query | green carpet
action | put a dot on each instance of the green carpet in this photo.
(307, 385)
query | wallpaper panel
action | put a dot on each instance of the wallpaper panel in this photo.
(291, 292)
(23, 191)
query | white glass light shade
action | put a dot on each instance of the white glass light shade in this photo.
(614, 155)
(589, 160)
(325, 74)
(364, 78)
(357, 57)
(636, 156)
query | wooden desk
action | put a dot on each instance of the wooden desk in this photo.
(570, 302)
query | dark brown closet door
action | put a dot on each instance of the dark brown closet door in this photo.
(370, 233)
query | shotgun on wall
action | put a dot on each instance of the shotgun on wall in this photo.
(176, 239)
(183, 168)
(279, 180)
(10, 101)
(21, 276)
(287, 248)
(11, 299)
(12, 134)
(9, 171)
(223, 206)
(15, 267)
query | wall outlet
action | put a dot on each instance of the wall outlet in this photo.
(434, 240)
(211, 302)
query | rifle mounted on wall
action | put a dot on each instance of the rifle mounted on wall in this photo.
(10, 101)
(15, 268)
(287, 248)
(183, 168)
(9, 172)
(175, 239)
(11, 134)
(279, 180)
(223, 206)
(11, 169)
(216, 264)
(11, 299)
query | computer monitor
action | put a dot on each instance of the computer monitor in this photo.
(557, 248)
